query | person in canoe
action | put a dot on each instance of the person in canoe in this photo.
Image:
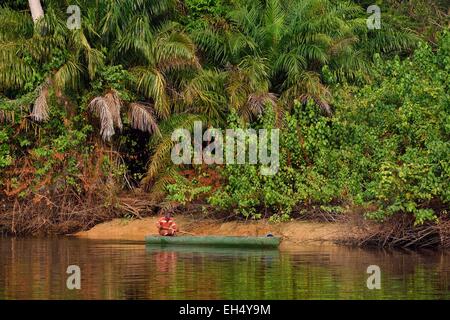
(167, 226)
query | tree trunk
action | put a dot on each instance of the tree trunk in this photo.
(36, 9)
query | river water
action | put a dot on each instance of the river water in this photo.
(36, 269)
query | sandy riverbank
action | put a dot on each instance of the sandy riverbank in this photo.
(294, 233)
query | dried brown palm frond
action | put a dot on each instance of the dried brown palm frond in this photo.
(256, 103)
(143, 118)
(40, 107)
(99, 106)
(115, 104)
(316, 90)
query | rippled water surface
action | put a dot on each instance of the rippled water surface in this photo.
(36, 269)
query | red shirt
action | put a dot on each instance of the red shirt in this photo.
(167, 223)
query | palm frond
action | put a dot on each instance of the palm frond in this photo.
(256, 103)
(308, 86)
(136, 39)
(95, 58)
(99, 107)
(152, 84)
(173, 43)
(40, 110)
(163, 145)
(14, 25)
(142, 118)
(114, 103)
(69, 75)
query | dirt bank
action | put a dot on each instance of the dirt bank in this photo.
(294, 233)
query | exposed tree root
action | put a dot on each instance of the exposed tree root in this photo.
(400, 231)
(67, 213)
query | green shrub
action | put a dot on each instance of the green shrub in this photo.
(387, 144)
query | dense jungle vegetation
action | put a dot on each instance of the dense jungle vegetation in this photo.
(86, 114)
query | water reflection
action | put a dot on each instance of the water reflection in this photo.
(36, 269)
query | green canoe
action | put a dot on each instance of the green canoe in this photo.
(216, 241)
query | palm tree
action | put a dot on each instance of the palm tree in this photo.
(136, 37)
(274, 47)
(262, 53)
(158, 56)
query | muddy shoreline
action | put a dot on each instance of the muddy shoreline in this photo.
(294, 233)
(133, 216)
